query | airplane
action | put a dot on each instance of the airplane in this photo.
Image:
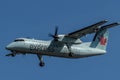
(65, 46)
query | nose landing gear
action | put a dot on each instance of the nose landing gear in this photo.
(13, 54)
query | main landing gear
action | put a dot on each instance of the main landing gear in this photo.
(70, 54)
(41, 64)
(69, 48)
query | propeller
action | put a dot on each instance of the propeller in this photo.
(55, 35)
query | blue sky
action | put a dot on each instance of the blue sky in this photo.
(37, 18)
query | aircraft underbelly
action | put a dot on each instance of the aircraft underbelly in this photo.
(80, 53)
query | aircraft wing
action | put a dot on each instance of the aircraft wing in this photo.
(88, 30)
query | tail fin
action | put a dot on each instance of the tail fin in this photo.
(100, 40)
(101, 37)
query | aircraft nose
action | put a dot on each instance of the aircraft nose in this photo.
(9, 47)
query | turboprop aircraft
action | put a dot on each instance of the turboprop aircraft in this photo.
(66, 46)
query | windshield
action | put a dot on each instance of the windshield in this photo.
(18, 40)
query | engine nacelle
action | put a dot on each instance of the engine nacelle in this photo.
(65, 39)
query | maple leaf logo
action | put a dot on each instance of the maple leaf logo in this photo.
(103, 41)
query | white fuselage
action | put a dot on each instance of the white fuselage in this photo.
(52, 48)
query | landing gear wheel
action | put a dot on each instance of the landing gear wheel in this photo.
(13, 55)
(42, 64)
(70, 54)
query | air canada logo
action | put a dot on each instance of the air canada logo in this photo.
(103, 41)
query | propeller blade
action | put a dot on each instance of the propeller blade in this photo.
(55, 36)
(56, 30)
(50, 35)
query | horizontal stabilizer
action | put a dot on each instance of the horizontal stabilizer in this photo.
(109, 26)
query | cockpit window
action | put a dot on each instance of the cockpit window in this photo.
(19, 40)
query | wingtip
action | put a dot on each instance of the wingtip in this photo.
(118, 23)
(105, 20)
(110, 25)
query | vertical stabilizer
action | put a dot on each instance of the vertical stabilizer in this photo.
(100, 40)
(101, 37)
